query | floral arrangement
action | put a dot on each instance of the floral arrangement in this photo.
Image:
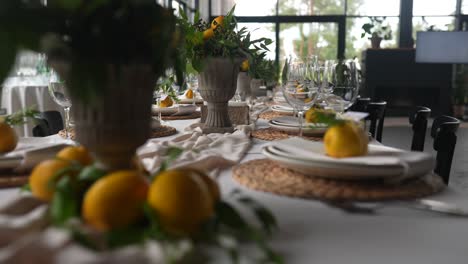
(85, 37)
(220, 38)
(109, 210)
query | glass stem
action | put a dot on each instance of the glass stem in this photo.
(67, 122)
(158, 103)
(301, 117)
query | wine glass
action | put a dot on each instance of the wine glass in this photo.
(58, 92)
(298, 90)
(346, 87)
(192, 84)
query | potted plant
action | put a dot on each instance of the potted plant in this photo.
(377, 31)
(262, 71)
(216, 50)
(110, 54)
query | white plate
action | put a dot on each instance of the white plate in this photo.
(290, 125)
(165, 110)
(282, 109)
(313, 162)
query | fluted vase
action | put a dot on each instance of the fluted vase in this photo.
(217, 85)
(116, 123)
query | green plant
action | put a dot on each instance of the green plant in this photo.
(88, 36)
(261, 68)
(204, 40)
(377, 29)
(460, 85)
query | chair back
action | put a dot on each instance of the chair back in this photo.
(443, 131)
(418, 118)
(48, 123)
(360, 105)
(376, 111)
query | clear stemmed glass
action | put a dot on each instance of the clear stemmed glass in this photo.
(298, 90)
(192, 83)
(58, 92)
(346, 87)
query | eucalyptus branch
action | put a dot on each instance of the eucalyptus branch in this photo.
(22, 116)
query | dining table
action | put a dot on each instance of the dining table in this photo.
(311, 231)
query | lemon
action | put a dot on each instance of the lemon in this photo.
(167, 102)
(189, 94)
(115, 200)
(8, 138)
(218, 21)
(79, 154)
(312, 115)
(208, 34)
(212, 185)
(182, 200)
(346, 139)
(245, 66)
(42, 177)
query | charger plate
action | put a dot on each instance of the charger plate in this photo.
(268, 176)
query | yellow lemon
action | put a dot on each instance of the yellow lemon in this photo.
(208, 34)
(42, 177)
(167, 102)
(182, 200)
(115, 200)
(218, 21)
(311, 116)
(8, 138)
(212, 185)
(189, 94)
(79, 154)
(345, 140)
(245, 66)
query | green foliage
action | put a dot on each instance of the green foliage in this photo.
(165, 85)
(88, 36)
(225, 42)
(377, 28)
(21, 117)
(261, 68)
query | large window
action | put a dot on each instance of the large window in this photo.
(332, 28)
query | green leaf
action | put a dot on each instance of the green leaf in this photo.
(65, 203)
(20, 117)
(124, 237)
(91, 174)
(229, 216)
(26, 188)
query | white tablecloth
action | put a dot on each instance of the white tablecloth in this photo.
(21, 92)
(311, 232)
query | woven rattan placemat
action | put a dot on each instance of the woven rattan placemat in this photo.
(8, 180)
(269, 115)
(271, 134)
(268, 176)
(163, 131)
(194, 115)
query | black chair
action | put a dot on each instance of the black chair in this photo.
(443, 131)
(360, 105)
(376, 111)
(48, 123)
(418, 118)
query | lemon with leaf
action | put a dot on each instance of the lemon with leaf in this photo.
(115, 200)
(44, 176)
(182, 200)
(218, 21)
(167, 102)
(76, 154)
(345, 139)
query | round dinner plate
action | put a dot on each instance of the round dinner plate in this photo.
(190, 101)
(340, 169)
(290, 124)
(282, 109)
(166, 110)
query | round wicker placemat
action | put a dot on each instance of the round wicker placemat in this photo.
(266, 175)
(269, 115)
(194, 115)
(71, 132)
(13, 180)
(271, 134)
(163, 131)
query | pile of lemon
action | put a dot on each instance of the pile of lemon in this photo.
(183, 199)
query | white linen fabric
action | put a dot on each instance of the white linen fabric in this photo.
(21, 92)
(210, 153)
